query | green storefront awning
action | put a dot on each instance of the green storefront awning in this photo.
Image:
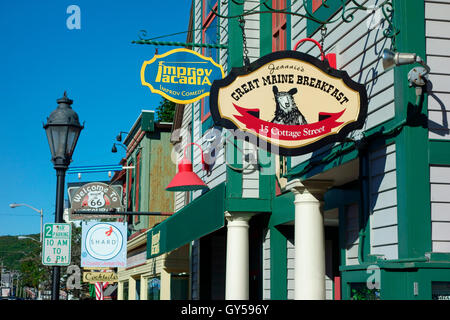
(200, 217)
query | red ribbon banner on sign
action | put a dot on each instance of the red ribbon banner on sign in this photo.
(288, 132)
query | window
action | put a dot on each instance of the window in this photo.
(440, 290)
(153, 289)
(210, 35)
(279, 27)
(179, 287)
(360, 291)
(125, 290)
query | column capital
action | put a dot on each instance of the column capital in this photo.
(312, 186)
(238, 216)
(317, 188)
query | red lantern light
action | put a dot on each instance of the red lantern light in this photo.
(186, 179)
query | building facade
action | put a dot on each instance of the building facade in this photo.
(148, 168)
(367, 218)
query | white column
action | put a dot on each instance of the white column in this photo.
(237, 278)
(309, 239)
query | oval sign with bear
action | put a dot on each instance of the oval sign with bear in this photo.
(289, 103)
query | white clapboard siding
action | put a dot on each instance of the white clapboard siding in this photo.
(383, 202)
(290, 265)
(358, 50)
(266, 265)
(250, 174)
(217, 174)
(252, 30)
(437, 29)
(351, 234)
(440, 208)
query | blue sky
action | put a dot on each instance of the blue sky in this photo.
(97, 65)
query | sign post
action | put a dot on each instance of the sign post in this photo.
(56, 248)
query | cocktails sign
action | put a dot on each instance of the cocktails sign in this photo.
(290, 102)
(180, 75)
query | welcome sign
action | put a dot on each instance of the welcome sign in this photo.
(290, 101)
(180, 75)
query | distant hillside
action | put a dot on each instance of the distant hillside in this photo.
(13, 250)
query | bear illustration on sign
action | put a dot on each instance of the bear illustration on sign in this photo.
(286, 111)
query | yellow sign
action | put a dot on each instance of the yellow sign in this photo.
(180, 75)
(93, 277)
(155, 242)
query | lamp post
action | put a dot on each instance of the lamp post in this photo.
(15, 205)
(63, 129)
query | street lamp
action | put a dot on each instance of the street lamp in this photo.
(119, 136)
(114, 149)
(63, 129)
(15, 205)
(25, 237)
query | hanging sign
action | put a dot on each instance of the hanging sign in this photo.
(93, 277)
(104, 244)
(180, 75)
(94, 197)
(290, 103)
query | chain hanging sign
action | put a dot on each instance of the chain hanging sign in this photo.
(289, 103)
(180, 75)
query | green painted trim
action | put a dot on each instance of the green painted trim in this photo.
(265, 32)
(235, 59)
(266, 159)
(439, 152)
(148, 121)
(283, 209)
(439, 256)
(267, 178)
(337, 161)
(335, 151)
(278, 265)
(235, 47)
(234, 159)
(190, 222)
(288, 27)
(413, 189)
(338, 197)
(342, 235)
(321, 14)
(206, 124)
(248, 204)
